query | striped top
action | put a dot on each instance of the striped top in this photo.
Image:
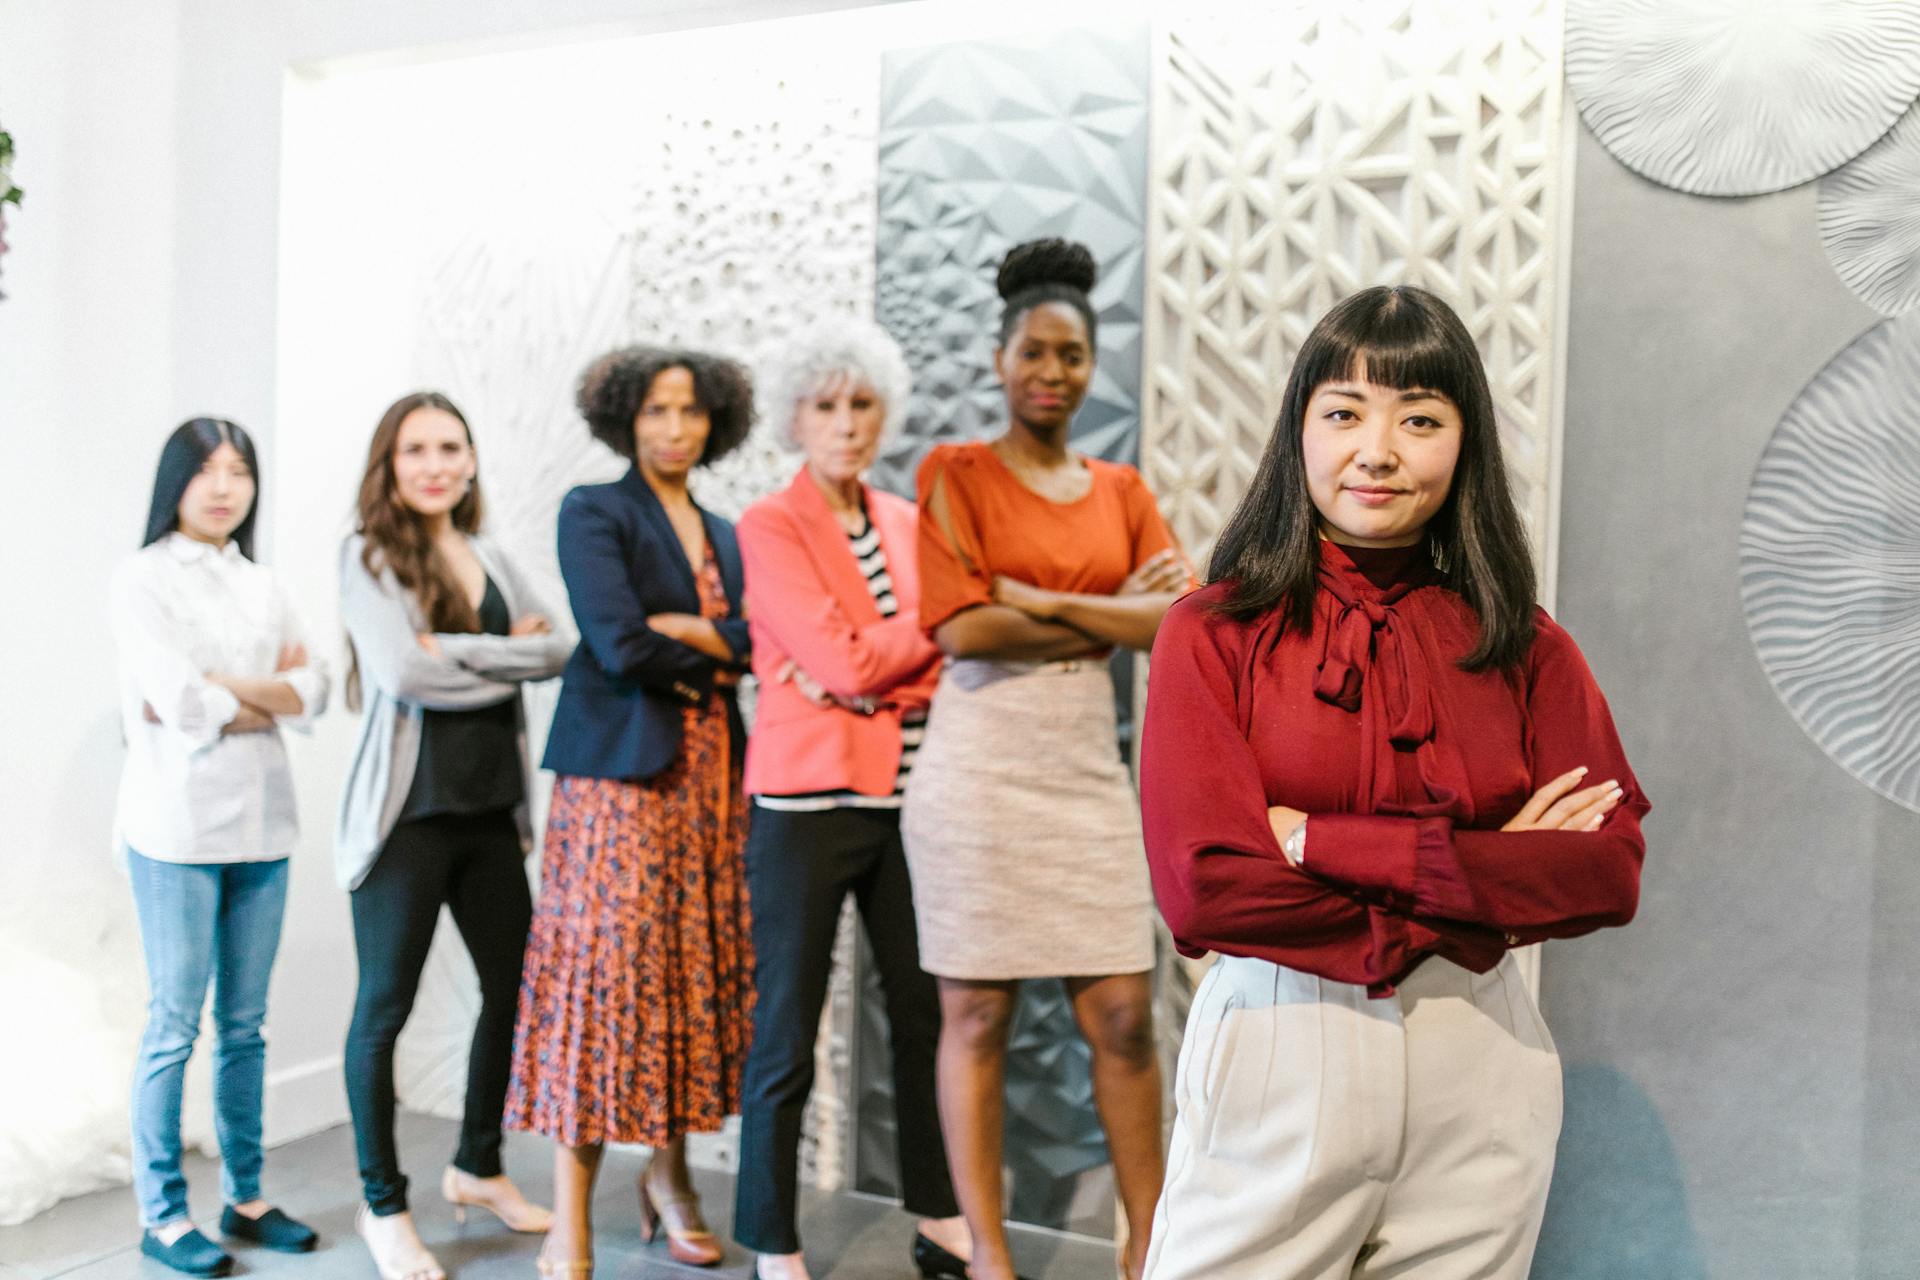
(872, 558)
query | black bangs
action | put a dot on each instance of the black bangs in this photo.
(1401, 344)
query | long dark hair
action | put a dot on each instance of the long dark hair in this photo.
(396, 537)
(1399, 337)
(185, 452)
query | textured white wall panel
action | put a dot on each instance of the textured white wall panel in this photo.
(517, 216)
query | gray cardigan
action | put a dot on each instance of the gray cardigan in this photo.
(399, 679)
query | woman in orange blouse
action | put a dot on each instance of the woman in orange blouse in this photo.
(1021, 826)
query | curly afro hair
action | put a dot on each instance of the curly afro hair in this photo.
(613, 388)
(1042, 271)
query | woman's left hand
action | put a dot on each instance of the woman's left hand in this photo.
(809, 688)
(1163, 571)
(531, 624)
(1283, 820)
(1030, 600)
(675, 626)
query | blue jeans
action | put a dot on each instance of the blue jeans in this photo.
(212, 924)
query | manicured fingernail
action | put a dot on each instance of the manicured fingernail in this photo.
(1611, 784)
(1582, 770)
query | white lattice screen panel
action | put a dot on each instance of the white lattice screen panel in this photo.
(1302, 151)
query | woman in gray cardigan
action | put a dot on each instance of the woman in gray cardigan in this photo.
(444, 630)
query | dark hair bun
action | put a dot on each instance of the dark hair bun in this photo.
(1039, 263)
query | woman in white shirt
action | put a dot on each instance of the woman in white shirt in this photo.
(213, 662)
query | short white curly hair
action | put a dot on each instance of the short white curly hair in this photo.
(827, 352)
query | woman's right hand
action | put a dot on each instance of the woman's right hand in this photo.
(1559, 807)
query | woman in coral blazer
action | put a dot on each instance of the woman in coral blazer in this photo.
(845, 674)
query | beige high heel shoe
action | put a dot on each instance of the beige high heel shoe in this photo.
(554, 1269)
(513, 1209)
(418, 1264)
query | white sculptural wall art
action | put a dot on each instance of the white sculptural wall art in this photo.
(1870, 219)
(1739, 97)
(1830, 559)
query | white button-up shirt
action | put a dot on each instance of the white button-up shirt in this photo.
(181, 612)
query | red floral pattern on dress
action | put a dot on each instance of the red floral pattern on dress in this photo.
(636, 1001)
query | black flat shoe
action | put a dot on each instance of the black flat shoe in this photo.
(271, 1230)
(192, 1253)
(936, 1263)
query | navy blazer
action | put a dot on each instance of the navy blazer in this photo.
(625, 686)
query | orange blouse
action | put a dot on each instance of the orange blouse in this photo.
(1000, 526)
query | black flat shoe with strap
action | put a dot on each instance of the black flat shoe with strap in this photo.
(272, 1230)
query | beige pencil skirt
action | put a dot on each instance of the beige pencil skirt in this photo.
(1022, 829)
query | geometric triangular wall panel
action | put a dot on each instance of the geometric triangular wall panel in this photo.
(982, 146)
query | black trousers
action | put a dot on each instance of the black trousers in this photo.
(800, 868)
(473, 865)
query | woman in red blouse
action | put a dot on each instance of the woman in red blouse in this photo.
(1021, 825)
(1371, 767)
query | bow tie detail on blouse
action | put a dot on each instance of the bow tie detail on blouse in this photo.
(1366, 637)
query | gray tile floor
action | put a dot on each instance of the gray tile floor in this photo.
(848, 1237)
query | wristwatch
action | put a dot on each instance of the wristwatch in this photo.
(1295, 845)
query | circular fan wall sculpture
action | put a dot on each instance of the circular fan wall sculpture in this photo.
(1870, 219)
(1737, 97)
(1830, 559)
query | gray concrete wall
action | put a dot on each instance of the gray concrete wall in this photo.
(1739, 1059)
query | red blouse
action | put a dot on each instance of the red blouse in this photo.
(1406, 764)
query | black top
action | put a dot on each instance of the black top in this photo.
(470, 760)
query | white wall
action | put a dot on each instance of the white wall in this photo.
(86, 394)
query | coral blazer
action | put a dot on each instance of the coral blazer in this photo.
(808, 602)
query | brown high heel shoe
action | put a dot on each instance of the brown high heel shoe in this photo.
(695, 1246)
(498, 1197)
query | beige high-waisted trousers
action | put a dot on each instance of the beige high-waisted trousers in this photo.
(1322, 1135)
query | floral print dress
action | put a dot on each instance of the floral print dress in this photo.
(636, 1001)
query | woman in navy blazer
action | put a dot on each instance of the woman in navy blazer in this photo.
(627, 684)
(636, 999)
